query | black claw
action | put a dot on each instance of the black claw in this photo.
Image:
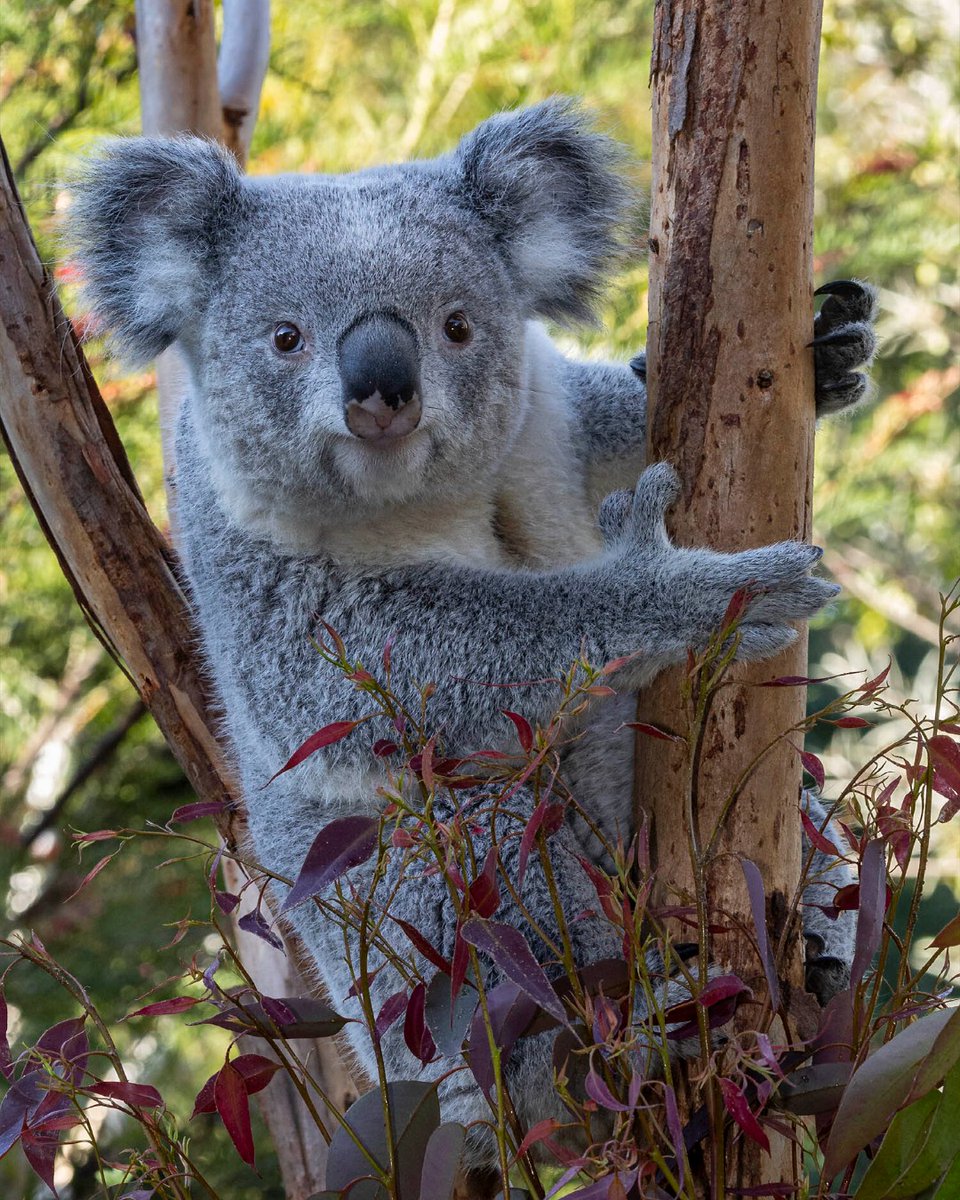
(840, 287)
(851, 380)
(638, 365)
(838, 337)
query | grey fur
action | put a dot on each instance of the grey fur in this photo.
(284, 517)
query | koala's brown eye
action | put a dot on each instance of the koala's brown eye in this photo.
(456, 328)
(287, 338)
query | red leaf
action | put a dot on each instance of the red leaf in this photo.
(484, 894)
(40, 1151)
(139, 1095)
(538, 820)
(233, 1107)
(817, 838)
(524, 732)
(851, 723)
(874, 897)
(945, 757)
(813, 767)
(735, 1102)
(92, 874)
(458, 969)
(737, 606)
(256, 1071)
(326, 736)
(98, 835)
(873, 684)
(426, 948)
(796, 680)
(391, 1008)
(653, 731)
(758, 908)
(948, 936)
(415, 1032)
(164, 1008)
(537, 1133)
(383, 748)
(344, 843)
(425, 766)
(200, 808)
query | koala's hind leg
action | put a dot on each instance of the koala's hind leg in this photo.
(830, 941)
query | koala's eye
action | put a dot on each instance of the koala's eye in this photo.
(456, 328)
(287, 338)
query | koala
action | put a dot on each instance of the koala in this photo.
(367, 378)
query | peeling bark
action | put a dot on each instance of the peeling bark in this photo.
(731, 384)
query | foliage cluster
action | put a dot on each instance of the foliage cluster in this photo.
(881, 1060)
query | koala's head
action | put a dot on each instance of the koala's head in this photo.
(354, 341)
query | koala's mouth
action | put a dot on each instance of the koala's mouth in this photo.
(379, 420)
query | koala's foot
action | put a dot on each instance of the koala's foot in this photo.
(844, 344)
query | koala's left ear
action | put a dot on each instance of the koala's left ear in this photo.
(145, 218)
(550, 188)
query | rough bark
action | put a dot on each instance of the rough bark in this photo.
(731, 384)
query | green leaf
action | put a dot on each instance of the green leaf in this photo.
(919, 1148)
(879, 1087)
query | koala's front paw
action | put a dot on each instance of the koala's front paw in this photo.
(690, 589)
(844, 344)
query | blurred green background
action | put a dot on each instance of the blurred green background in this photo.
(357, 83)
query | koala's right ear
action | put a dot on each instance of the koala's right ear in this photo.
(550, 189)
(142, 227)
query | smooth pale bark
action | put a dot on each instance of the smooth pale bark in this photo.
(731, 383)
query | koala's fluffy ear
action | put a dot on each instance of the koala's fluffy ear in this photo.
(550, 187)
(142, 228)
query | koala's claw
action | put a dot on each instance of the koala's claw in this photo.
(844, 341)
(638, 365)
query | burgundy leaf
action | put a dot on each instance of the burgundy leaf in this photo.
(383, 748)
(484, 894)
(737, 606)
(796, 680)
(344, 843)
(256, 1072)
(441, 1162)
(193, 812)
(945, 757)
(426, 948)
(40, 1151)
(6, 1061)
(545, 816)
(524, 732)
(278, 1010)
(597, 1090)
(226, 901)
(164, 1008)
(817, 838)
(509, 950)
(326, 736)
(233, 1108)
(735, 1102)
(758, 907)
(92, 874)
(813, 767)
(139, 1095)
(538, 1133)
(415, 1032)
(653, 731)
(391, 1008)
(511, 1012)
(98, 835)
(256, 923)
(458, 968)
(872, 685)
(851, 723)
(311, 1018)
(675, 1129)
(873, 904)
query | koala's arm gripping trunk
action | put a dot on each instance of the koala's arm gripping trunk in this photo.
(732, 406)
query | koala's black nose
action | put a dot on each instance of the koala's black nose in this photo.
(380, 369)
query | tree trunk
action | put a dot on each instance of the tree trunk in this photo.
(731, 387)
